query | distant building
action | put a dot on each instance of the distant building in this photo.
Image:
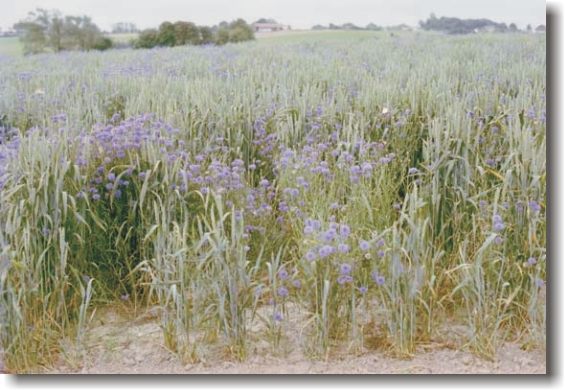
(540, 29)
(400, 27)
(269, 27)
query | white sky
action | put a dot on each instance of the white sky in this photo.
(297, 13)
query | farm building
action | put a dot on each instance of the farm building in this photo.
(269, 27)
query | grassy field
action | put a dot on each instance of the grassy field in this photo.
(383, 187)
(10, 46)
(317, 35)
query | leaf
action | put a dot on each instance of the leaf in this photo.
(150, 232)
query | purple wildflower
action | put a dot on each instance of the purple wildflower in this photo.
(534, 205)
(364, 245)
(325, 251)
(345, 269)
(283, 292)
(344, 231)
(310, 256)
(329, 235)
(343, 248)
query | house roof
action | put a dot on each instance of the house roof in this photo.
(267, 25)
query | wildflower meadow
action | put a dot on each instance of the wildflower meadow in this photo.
(381, 186)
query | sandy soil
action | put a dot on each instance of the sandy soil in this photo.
(117, 344)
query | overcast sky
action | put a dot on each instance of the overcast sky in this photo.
(297, 13)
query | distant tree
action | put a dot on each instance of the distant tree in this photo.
(44, 29)
(147, 39)
(222, 36)
(334, 26)
(529, 28)
(206, 35)
(32, 36)
(266, 21)
(318, 27)
(350, 26)
(240, 31)
(461, 26)
(513, 28)
(37, 33)
(124, 28)
(79, 33)
(166, 34)
(373, 27)
(103, 43)
(186, 33)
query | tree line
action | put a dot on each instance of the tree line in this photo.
(44, 29)
(348, 26)
(452, 25)
(48, 30)
(187, 33)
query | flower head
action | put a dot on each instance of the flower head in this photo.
(325, 251)
(310, 256)
(344, 231)
(364, 245)
(283, 292)
(379, 279)
(345, 269)
(534, 205)
(283, 274)
(342, 279)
